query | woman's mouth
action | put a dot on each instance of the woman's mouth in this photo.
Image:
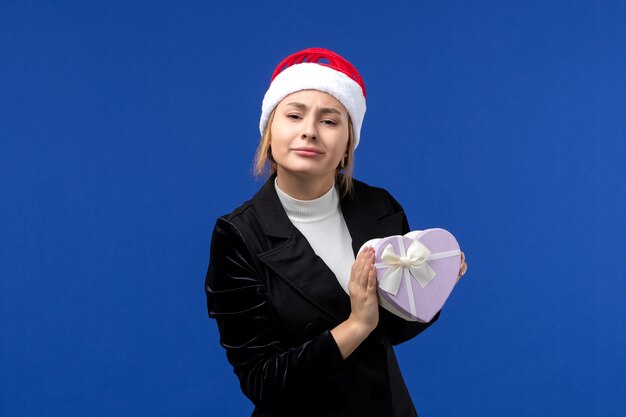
(308, 152)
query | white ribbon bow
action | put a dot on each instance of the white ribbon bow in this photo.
(413, 261)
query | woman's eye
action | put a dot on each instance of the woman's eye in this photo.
(329, 122)
(294, 116)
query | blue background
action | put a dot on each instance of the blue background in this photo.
(126, 128)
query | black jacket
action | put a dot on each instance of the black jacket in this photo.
(275, 302)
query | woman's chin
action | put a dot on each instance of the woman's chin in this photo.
(306, 171)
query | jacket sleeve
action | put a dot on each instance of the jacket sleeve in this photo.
(398, 329)
(269, 370)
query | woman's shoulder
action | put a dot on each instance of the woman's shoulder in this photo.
(373, 195)
(238, 232)
(241, 218)
(362, 187)
(250, 219)
(244, 210)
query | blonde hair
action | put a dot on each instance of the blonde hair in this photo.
(264, 164)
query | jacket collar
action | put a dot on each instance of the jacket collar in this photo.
(364, 220)
(292, 258)
(274, 220)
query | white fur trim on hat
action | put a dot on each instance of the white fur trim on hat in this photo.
(311, 76)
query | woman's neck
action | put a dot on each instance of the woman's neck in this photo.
(304, 188)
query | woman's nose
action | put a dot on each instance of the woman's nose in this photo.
(309, 130)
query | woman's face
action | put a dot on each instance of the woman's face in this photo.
(309, 135)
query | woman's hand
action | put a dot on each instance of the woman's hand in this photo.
(364, 303)
(362, 288)
(463, 267)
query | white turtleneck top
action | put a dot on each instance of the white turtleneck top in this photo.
(321, 222)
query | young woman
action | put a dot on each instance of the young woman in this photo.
(297, 313)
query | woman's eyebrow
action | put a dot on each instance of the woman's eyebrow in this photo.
(297, 105)
(326, 110)
(322, 111)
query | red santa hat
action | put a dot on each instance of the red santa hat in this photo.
(318, 69)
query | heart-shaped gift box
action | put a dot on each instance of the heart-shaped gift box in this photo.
(416, 272)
